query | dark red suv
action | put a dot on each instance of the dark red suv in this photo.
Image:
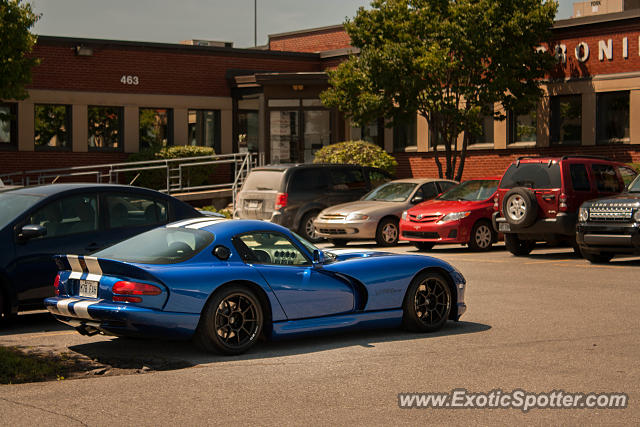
(538, 197)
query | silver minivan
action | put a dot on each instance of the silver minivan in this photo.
(292, 195)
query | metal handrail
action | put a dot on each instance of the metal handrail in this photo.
(108, 172)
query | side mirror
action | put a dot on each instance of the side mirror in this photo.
(318, 257)
(31, 231)
(416, 200)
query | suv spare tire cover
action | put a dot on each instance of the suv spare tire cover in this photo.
(519, 207)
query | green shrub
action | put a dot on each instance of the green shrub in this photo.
(157, 179)
(226, 212)
(634, 166)
(356, 153)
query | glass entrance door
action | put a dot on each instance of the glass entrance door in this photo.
(284, 136)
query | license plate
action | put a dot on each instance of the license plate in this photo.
(503, 226)
(88, 288)
(252, 204)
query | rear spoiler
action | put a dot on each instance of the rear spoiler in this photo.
(92, 268)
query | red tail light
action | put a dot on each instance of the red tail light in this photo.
(281, 200)
(563, 202)
(124, 289)
(56, 284)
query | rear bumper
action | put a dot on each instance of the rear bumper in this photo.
(618, 238)
(563, 224)
(89, 316)
(346, 229)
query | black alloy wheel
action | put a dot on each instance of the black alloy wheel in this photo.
(427, 304)
(231, 322)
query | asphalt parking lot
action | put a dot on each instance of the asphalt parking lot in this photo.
(547, 322)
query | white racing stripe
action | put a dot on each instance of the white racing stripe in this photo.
(187, 222)
(82, 308)
(93, 265)
(75, 275)
(63, 306)
(205, 224)
(74, 262)
(93, 277)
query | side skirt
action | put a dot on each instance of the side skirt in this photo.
(372, 320)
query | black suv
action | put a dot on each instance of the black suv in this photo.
(538, 197)
(610, 225)
(292, 195)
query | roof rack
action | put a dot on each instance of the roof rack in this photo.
(532, 157)
(575, 156)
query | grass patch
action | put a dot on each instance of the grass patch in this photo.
(17, 366)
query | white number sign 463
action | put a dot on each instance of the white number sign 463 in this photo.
(129, 80)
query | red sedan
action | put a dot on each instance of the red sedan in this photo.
(460, 215)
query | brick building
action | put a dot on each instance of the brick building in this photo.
(97, 101)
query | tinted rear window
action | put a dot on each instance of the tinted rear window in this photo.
(532, 175)
(311, 179)
(168, 245)
(263, 181)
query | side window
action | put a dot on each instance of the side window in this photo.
(627, 175)
(345, 179)
(134, 211)
(606, 178)
(446, 185)
(377, 178)
(269, 248)
(429, 190)
(579, 177)
(69, 215)
(311, 179)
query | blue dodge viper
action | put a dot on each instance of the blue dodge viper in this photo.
(226, 282)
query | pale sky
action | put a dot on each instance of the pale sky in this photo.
(170, 21)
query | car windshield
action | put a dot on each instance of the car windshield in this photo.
(391, 192)
(166, 245)
(634, 187)
(311, 247)
(13, 204)
(474, 190)
(532, 175)
(263, 181)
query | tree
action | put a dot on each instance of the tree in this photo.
(449, 61)
(16, 18)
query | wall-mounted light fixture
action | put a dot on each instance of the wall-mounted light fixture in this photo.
(297, 87)
(84, 51)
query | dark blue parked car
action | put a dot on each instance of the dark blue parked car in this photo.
(39, 222)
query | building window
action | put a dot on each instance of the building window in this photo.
(284, 136)
(486, 136)
(52, 127)
(204, 129)
(248, 131)
(612, 122)
(105, 128)
(405, 136)
(522, 127)
(372, 132)
(156, 128)
(317, 132)
(8, 126)
(566, 120)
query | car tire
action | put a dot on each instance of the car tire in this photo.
(423, 246)
(519, 207)
(427, 304)
(482, 236)
(307, 229)
(339, 243)
(231, 322)
(597, 258)
(517, 246)
(576, 249)
(388, 232)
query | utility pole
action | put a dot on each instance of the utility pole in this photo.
(255, 23)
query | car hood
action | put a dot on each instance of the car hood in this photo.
(620, 200)
(447, 206)
(367, 207)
